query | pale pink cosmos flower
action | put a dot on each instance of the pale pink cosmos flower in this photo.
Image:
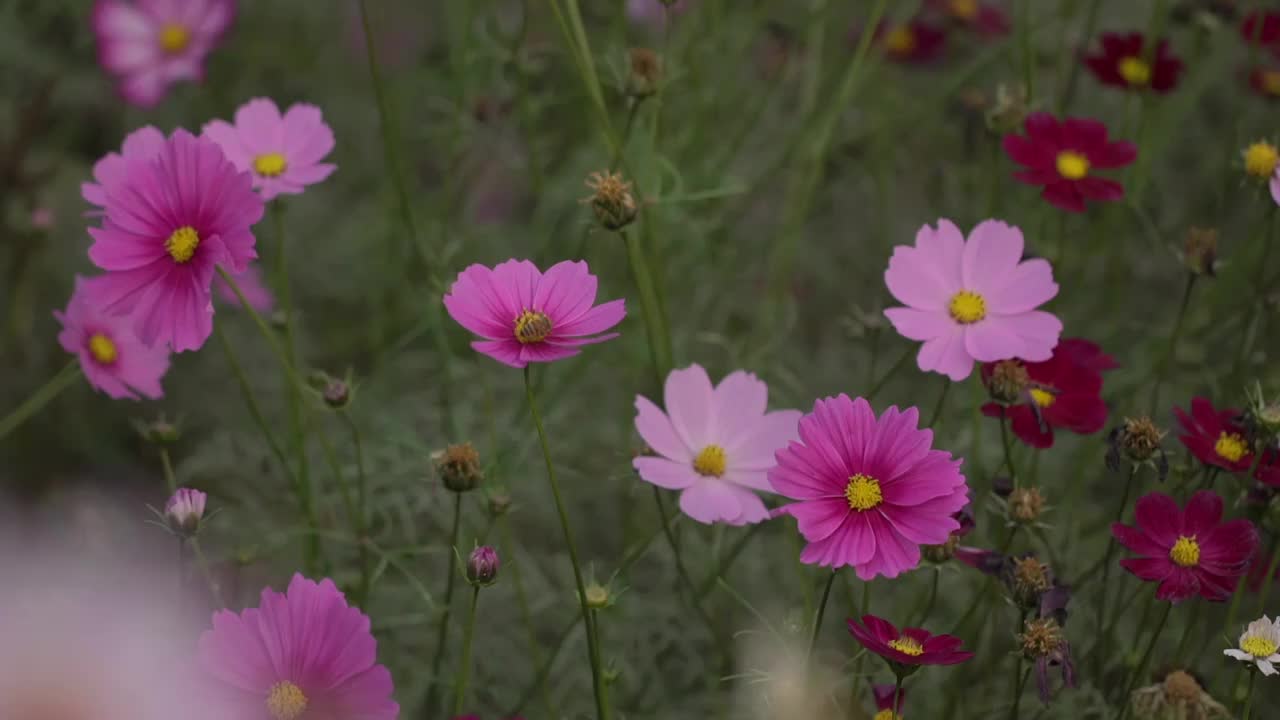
(169, 220)
(972, 301)
(149, 45)
(716, 444)
(112, 358)
(300, 654)
(282, 152)
(528, 316)
(871, 490)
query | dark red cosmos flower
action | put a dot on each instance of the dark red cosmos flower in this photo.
(1214, 436)
(1065, 392)
(1188, 552)
(913, 42)
(984, 19)
(886, 706)
(1265, 81)
(1262, 28)
(1125, 62)
(908, 649)
(1060, 156)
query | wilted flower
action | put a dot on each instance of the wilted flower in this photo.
(611, 200)
(1009, 110)
(1178, 696)
(459, 467)
(1025, 505)
(1027, 580)
(1043, 642)
(184, 511)
(1137, 441)
(646, 72)
(1200, 251)
(482, 566)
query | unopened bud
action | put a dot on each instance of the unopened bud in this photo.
(159, 432)
(482, 566)
(459, 467)
(1200, 250)
(646, 72)
(598, 596)
(939, 554)
(185, 510)
(1025, 505)
(337, 394)
(612, 202)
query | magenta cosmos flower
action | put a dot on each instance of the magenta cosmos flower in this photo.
(1188, 552)
(716, 444)
(113, 360)
(298, 655)
(283, 153)
(149, 45)
(528, 316)
(972, 301)
(1061, 158)
(169, 221)
(909, 647)
(871, 490)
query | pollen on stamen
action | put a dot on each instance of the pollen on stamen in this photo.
(1043, 398)
(1135, 71)
(907, 646)
(532, 327)
(711, 462)
(182, 244)
(1231, 447)
(863, 492)
(286, 701)
(1258, 647)
(102, 349)
(967, 307)
(270, 164)
(174, 38)
(1185, 552)
(1072, 165)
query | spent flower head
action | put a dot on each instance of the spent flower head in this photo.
(645, 76)
(611, 200)
(1200, 251)
(1178, 695)
(459, 467)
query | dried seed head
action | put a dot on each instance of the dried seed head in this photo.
(1008, 381)
(459, 467)
(1180, 686)
(940, 553)
(1025, 505)
(646, 72)
(612, 202)
(1009, 109)
(1028, 579)
(1040, 638)
(1200, 250)
(1140, 439)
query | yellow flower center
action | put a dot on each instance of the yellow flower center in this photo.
(900, 41)
(886, 714)
(965, 9)
(532, 327)
(1135, 71)
(863, 492)
(968, 307)
(907, 646)
(1258, 647)
(182, 244)
(286, 701)
(1260, 159)
(1270, 81)
(1043, 398)
(270, 164)
(1185, 552)
(1230, 447)
(174, 38)
(1072, 165)
(711, 461)
(103, 349)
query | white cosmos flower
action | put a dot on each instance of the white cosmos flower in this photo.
(1259, 644)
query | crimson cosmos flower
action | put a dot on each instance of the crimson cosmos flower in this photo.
(1060, 156)
(906, 650)
(1267, 35)
(1125, 62)
(912, 42)
(984, 19)
(1214, 436)
(886, 707)
(1188, 552)
(1065, 392)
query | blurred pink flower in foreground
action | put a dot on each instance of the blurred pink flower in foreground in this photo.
(972, 301)
(871, 490)
(149, 45)
(282, 152)
(528, 316)
(303, 651)
(113, 360)
(716, 444)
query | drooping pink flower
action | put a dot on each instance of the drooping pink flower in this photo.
(282, 153)
(525, 315)
(112, 358)
(252, 285)
(302, 651)
(148, 45)
(972, 301)
(716, 444)
(169, 221)
(871, 490)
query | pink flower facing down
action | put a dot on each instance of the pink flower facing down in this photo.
(871, 490)
(169, 221)
(149, 45)
(301, 654)
(283, 153)
(972, 301)
(1188, 552)
(528, 316)
(112, 358)
(909, 648)
(716, 444)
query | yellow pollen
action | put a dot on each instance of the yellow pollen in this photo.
(174, 38)
(286, 701)
(907, 646)
(900, 41)
(886, 714)
(1072, 165)
(1230, 447)
(270, 164)
(1135, 71)
(711, 461)
(532, 327)
(103, 349)
(1185, 552)
(968, 307)
(182, 244)
(965, 9)
(1261, 159)
(1043, 398)
(1270, 81)
(863, 493)
(1258, 647)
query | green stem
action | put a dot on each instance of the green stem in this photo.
(442, 629)
(597, 674)
(531, 634)
(1008, 451)
(942, 401)
(545, 670)
(1248, 697)
(893, 370)
(170, 479)
(255, 411)
(1268, 579)
(822, 610)
(47, 392)
(1019, 682)
(203, 563)
(685, 580)
(361, 521)
(276, 348)
(1142, 663)
(1104, 588)
(933, 598)
(1073, 66)
(1171, 351)
(897, 698)
(464, 671)
(1024, 42)
(659, 336)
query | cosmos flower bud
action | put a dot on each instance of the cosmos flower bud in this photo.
(646, 72)
(1002, 485)
(337, 394)
(482, 566)
(1009, 381)
(1200, 250)
(598, 596)
(939, 554)
(612, 202)
(184, 511)
(459, 467)
(159, 432)
(1025, 505)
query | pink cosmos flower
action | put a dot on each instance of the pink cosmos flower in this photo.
(142, 144)
(113, 360)
(972, 301)
(871, 490)
(169, 221)
(149, 45)
(716, 444)
(302, 651)
(283, 153)
(528, 316)
(252, 285)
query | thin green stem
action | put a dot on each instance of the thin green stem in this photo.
(897, 697)
(1170, 352)
(464, 670)
(685, 580)
(526, 617)
(1142, 663)
(442, 628)
(274, 342)
(659, 337)
(1024, 43)
(1019, 682)
(1073, 66)
(1104, 589)
(924, 613)
(898, 364)
(361, 520)
(942, 401)
(47, 392)
(251, 403)
(1008, 451)
(170, 479)
(822, 610)
(1268, 579)
(1248, 697)
(203, 563)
